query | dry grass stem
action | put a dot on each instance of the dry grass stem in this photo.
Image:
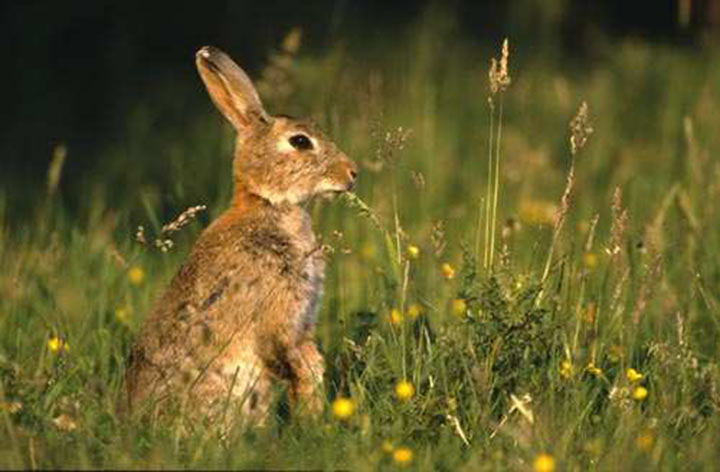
(162, 241)
(499, 80)
(580, 130)
(182, 220)
(591, 233)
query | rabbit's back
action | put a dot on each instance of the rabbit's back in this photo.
(245, 297)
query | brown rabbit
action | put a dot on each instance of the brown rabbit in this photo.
(240, 313)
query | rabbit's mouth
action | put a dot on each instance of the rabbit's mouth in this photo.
(330, 189)
(331, 194)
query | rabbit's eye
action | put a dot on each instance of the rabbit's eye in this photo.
(300, 142)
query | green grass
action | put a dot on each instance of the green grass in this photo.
(642, 296)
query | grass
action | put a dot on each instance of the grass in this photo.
(511, 365)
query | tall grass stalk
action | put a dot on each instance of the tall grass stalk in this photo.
(580, 131)
(488, 196)
(499, 81)
(496, 184)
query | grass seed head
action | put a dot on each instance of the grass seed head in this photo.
(498, 73)
(580, 129)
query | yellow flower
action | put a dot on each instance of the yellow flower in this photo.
(387, 447)
(640, 393)
(537, 212)
(414, 311)
(368, 251)
(644, 441)
(136, 275)
(343, 408)
(633, 375)
(544, 463)
(615, 354)
(396, 316)
(590, 260)
(413, 252)
(403, 456)
(404, 390)
(122, 315)
(447, 271)
(459, 307)
(566, 369)
(56, 344)
(596, 371)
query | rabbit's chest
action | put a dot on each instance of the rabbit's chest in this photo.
(304, 281)
(293, 268)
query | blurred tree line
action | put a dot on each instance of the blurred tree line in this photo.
(72, 70)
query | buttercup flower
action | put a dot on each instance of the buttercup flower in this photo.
(414, 311)
(404, 390)
(640, 393)
(387, 447)
(413, 252)
(645, 441)
(343, 408)
(615, 353)
(368, 251)
(447, 271)
(590, 260)
(402, 456)
(566, 369)
(56, 345)
(136, 275)
(459, 307)
(544, 463)
(122, 315)
(633, 375)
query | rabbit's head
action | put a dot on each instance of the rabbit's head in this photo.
(277, 158)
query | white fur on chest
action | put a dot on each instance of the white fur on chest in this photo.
(298, 224)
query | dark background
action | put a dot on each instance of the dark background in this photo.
(73, 70)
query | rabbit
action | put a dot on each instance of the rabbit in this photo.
(239, 315)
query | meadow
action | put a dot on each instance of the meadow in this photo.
(518, 282)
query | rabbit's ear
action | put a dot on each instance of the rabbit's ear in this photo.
(230, 89)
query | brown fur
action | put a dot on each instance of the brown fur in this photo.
(240, 313)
